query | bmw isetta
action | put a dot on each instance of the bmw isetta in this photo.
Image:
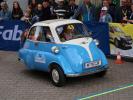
(64, 48)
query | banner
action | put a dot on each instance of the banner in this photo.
(10, 32)
(100, 31)
(121, 39)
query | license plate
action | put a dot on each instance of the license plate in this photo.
(93, 64)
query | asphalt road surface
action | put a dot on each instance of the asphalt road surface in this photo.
(18, 83)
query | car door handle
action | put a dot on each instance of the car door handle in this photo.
(64, 47)
(36, 43)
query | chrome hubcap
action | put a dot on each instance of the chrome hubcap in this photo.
(55, 75)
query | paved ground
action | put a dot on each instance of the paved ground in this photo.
(17, 83)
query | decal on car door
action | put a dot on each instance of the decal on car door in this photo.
(40, 58)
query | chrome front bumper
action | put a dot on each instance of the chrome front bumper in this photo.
(84, 74)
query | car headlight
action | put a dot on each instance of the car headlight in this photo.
(55, 49)
(96, 41)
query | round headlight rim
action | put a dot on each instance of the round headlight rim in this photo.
(55, 49)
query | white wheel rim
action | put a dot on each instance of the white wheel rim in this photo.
(55, 75)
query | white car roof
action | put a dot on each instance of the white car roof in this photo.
(56, 22)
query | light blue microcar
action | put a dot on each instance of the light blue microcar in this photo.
(63, 48)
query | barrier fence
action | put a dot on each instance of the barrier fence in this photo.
(10, 32)
(113, 37)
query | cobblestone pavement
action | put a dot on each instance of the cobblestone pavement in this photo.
(18, 83)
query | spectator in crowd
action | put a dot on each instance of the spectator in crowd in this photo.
(72, 7)
(123, 11)
(27, 17)
(29, 10)
(130, 18)
(111, 4)
(111, 8)
(0, 3)
(46, 10)
(61, 10)
(105, 16)
(38, 14)
(35, 1)
(86, 10)
(5, 14)
(32, 5)
(17, 12)
(53, 5)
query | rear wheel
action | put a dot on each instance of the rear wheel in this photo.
(101, 74)
(57, 76)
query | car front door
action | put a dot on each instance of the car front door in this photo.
(42, 43)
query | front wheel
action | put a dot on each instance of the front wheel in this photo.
(57, 76)
(101, 74)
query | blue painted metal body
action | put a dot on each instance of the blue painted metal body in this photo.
(71, 58)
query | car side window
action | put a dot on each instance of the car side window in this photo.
(32, 33)
(41, 33)
(48, 35)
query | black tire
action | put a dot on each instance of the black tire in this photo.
(116, 42)
(61, 79)
(101, 74)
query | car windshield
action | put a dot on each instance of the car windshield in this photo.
(72, 31)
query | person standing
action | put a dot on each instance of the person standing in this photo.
(5, 14)
(86, 10)
(33, 5)
(72, 7)
(61, 11)
(17, 12)
(111, 8)
(105, 16)
(122, 12)
(53, 5)
(27, 17)
(46, 10)
(130, 18)
(38, 14)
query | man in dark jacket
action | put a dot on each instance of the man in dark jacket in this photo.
(46, 10)
(123, 11)
(72, 7)
(38, 14)
(61, 10)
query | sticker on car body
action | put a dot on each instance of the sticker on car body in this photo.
(39, 58)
